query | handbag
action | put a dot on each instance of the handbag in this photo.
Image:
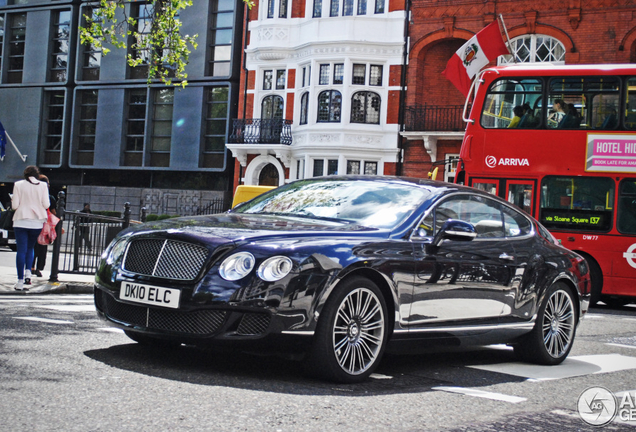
(47, 235)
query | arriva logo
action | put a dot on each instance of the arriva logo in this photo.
(492, 162)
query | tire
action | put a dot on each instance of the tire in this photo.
(151, 341)
(551, 339)
(351, 334)
(596, 276)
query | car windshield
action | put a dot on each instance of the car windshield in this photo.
(376, 204)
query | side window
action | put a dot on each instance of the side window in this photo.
(483, 213)
(630, 112)
(583, 103)
(515, 224)
(513, 104)
(627, 207)
(577, 203)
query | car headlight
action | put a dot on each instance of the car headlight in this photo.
(237, 266)
(274, 268)
(115, 250)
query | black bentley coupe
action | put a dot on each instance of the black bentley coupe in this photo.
(342, 268)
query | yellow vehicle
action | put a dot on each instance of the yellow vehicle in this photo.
(245, 193)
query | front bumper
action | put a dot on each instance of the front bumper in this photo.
(207, 325)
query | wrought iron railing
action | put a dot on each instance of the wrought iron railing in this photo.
(434, 118)
(261, 131)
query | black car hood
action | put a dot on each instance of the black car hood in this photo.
(246, 227)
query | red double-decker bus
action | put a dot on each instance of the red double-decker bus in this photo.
(560, 143)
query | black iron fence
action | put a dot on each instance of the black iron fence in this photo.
(82, 238)
(261, 131)
(434, 118)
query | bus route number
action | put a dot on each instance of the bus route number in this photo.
(590, 237)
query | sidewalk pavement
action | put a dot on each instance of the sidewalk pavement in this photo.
(66, 284)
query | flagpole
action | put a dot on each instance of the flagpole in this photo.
(23, 157)
(503, 24)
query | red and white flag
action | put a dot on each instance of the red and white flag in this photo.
(480, 50)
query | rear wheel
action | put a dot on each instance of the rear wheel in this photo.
(551, 339)
(351, 334)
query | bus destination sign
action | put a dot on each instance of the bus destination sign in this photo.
(611, 152)
(574, 219)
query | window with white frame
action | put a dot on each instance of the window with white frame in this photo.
(325, 167)
(450, 167)
(329, 106)
(268, 79)
(365, 107)
(535, 49)
(346, 7)
(355, 167)
(379, 6)
(306, 80)
(304, 107)
(359, 74)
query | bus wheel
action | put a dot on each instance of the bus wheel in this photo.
(596, 275)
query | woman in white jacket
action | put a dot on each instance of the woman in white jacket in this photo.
(30, 200)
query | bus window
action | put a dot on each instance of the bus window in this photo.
(583, 103)
(506, 94)
(630, 112)
(627, 207)
(520, 194)
(490, 186)
(577, 203)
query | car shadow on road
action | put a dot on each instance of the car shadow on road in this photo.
(396, 374)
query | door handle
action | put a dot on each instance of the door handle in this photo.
(505, 256)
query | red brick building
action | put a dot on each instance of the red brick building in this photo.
(562, 32)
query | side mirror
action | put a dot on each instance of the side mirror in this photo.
(455, 230)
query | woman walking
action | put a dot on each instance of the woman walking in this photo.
(30, 200)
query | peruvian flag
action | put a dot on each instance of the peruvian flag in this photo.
(480, 50)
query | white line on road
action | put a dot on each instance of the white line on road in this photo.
(482, 394)
(621, 345)
(45, 320)
(70, 308)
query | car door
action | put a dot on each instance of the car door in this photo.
(462, 282)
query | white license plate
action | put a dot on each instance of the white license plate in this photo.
(151, 295)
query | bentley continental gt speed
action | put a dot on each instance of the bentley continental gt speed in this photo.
(342, 269)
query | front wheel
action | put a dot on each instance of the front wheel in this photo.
(551, 339)
(351, 334)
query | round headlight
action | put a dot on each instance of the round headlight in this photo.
(237, 266)
(274, 268)
(115, 250)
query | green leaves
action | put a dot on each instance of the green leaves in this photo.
(150, 31)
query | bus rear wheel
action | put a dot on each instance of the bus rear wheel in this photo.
(596, 276)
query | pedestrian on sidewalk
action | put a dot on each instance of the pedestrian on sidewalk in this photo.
(84, 224)
(30, 200)
(40, 250)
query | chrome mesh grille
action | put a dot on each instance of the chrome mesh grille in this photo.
(253, 324)
(168, 259)
(199, 322)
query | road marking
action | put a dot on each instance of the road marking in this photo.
(115, 330)
(572, 366)
(70, 308)
(593, 316)
(45, 320)
(621, 345)
(482, 394)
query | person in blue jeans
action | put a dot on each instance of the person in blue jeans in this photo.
(30, 200)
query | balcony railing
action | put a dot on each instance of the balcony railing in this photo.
(261, 131)
(434, 118)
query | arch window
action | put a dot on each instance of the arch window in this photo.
(365, 108)
(535, 49)
(304, 106)
(329, 106)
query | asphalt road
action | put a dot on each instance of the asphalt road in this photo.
(62, 369)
